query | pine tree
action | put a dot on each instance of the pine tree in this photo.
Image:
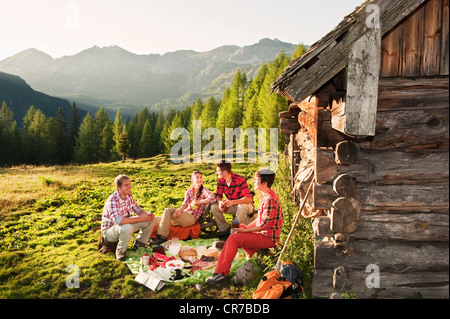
(299, 51)
(74, 125)
(272, 104)
(61, 152)
(165, 131)
(168, 143)
(9, 137)
(107, 142)
(252, 112)
(157, 134)
(223, 119)
(35, 137)
(124, 144)
(88, 142)
(209, 113)
(117, 129)
(146, 142)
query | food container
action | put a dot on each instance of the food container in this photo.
(171, 265)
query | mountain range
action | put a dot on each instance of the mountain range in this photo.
(115, 78)
(19, 96)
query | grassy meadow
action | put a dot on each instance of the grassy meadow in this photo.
(46, 225)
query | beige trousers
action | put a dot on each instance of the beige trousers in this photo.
(241, 211)
(123, 233)
(185, 219)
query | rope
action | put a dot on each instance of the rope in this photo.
(295, 222)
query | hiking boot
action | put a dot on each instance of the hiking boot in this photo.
(121, 255)
(215, 279)
(138, 244)
(159, 240)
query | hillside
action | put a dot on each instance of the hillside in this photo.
(19, 96)
(47, 224)
(114, 77)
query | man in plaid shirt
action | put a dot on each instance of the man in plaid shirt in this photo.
(263, 233)
(117, 223)
(238, 199)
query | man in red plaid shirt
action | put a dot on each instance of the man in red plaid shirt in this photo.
(238, 199)
(263, 233)
(117, 223)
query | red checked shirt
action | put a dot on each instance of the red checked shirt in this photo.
(189, 196)
(116, 208)
(270, 216)
(237, 189)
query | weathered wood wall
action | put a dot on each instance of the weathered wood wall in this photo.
(419, 46)
(395, 186)
(379, 201)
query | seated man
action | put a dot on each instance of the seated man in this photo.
(118, 225)
(238, 200)
(262, 233)
(195, 198)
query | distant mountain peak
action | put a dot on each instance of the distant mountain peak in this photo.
(113, 76)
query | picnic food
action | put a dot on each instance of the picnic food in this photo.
(186, 251)
(174, 264)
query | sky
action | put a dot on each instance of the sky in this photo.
(66, 27)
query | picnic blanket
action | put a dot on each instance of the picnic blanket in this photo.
(199, 276)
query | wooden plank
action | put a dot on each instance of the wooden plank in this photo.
(386, 166)
(362, 85)
(389, 197)
(407, 226)
(404, 269)
(390, 256)
(413, 93)
(329, 55)
(391, 53)
(289, 125)
(432, 38)
(413, 43)
(321, 226)
(420, 197)
(445, 38)
(406, 129)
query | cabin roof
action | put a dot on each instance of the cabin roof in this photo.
(328, 56)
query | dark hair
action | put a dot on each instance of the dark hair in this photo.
(224, 166)
(266, 175)
(199, 192)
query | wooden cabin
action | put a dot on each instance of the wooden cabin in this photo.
(368, 128)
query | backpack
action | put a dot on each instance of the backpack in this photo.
(284, 283)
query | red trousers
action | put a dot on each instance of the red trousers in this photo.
(249, 242)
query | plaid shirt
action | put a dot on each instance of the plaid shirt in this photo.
(238, 188)
(189, 196)
(117, 207)
(270, 216)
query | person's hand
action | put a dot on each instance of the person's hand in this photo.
(148, 216)
(177, 213)
(229, 202)
(222, 206)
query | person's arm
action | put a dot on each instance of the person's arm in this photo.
(245, 197)
(141, 215)
(247, 229)
(243, 200)
(137, 219)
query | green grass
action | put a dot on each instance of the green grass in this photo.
(46, 224)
